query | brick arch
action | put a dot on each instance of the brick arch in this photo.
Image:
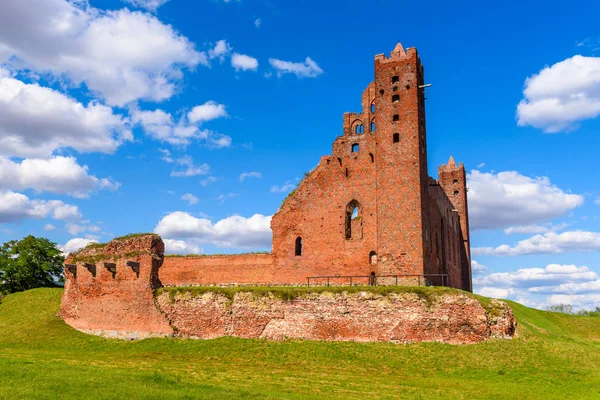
(353, 226)
(357, 122)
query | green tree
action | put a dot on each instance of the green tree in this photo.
(29, 263)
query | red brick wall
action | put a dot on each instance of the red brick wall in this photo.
(402, 215)
(122, 305)
(227, 269)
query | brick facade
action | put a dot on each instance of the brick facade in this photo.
(371, 207)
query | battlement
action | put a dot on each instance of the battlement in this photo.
(110, 287)
(397, 54)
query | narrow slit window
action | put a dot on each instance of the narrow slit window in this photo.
(395, 98)
(396, 138)
(298, 246)
(355, 148)
(372, 126)
(396, 117)
(372, 108)
(456, 192)
(372, 157)
(395, 79)
(347, 172)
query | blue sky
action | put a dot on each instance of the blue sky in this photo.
(195, 119)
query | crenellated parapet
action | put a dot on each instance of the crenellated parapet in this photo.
(110, 287)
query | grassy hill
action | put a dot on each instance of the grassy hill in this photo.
(556, 356)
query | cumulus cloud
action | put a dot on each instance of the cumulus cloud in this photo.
(190, 198)
(252, 174)
(554, 284)
(49, 227)
(75, 244)
(121, 55)
(150, 5)
(597, 202)
(191, 169)
(206, 112)
(173, 246)
(548, 243)
(161, 125)
(476, 268)
(55, 175)
(220, 50)
(257, 22)
(232, 232)
(16, 207)
(243, 62)
(560, 96)
(36, 121)
(509, 199)
(307, 69)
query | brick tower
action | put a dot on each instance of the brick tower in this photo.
(401, 160)
(371, 208)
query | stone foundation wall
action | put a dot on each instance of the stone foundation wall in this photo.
(454, 318)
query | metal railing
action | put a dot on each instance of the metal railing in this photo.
(380, 280)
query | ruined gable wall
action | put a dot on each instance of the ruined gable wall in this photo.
(218, 269)
(120, 303)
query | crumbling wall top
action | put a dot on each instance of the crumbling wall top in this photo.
(126, 246)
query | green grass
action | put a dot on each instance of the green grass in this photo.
(292, 292)
(556, 356)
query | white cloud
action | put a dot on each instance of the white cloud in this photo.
(121, 55)
(16, 207)
(191, 169)
(562, 95)
(224, 197)
(509, 199)
(307, 69)
(252, 174)
(257, 22)
(75, 244)
(220, 50)
(526, 229)
(55, 175)
(49, 227)
(548, 243)
(173, 246)
(597, 202)
(161, 125)
(283, 188)
(207, 181)
(231, 232)
(553, 274)
(37, 121)
(75, 229)
(535, 228)
(497, 293)
(166, 155)
(476, 268)
(150, 5)
(243, 62)
(190, 198)
(206, 112)
(561, 284)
